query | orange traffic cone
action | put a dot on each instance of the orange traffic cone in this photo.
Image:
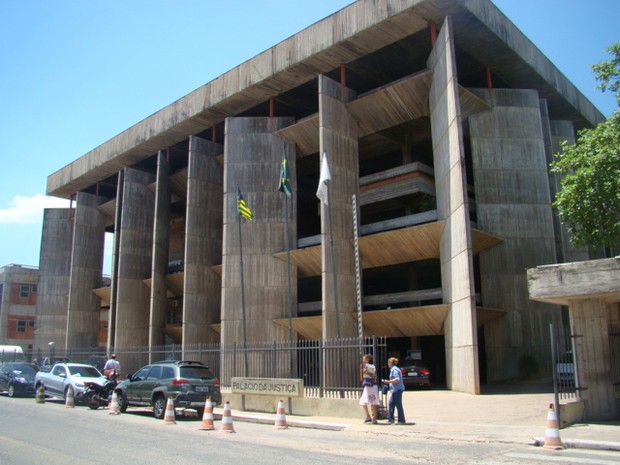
(114, 407)
(169, 415)
(69, 402)
(227, 423)
(280, 417)
(207, 416)
(552, 433)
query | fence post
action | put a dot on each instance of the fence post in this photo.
(554, 361)
(274, 355)
(321, 376)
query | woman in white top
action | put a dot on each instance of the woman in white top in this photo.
(370, 390)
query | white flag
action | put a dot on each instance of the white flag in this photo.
(321, 192)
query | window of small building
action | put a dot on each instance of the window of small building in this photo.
(21, 326)
(24, 290)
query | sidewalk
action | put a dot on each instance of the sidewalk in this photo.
(496, 416)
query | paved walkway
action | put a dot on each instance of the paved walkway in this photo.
(495, 416)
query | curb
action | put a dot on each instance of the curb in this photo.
(583, 444)
(290, 422)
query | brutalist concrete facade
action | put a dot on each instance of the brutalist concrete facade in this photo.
(439, 117)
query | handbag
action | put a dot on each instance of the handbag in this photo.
(385, 388)
(367, 382)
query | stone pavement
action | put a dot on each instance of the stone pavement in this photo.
(504, 415)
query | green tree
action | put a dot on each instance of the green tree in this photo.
(589, 198)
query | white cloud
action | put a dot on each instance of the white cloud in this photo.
(28, 210)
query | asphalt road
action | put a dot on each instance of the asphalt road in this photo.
(52, 434)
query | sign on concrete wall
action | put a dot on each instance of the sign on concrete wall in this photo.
(268, 386)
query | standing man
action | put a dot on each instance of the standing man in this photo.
(112, 368)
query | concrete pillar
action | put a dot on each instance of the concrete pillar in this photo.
(513, 202)
(338, 139)
(590, 322)
(560, 131)
(134, 264)
(84, 307)
(54, 278)
(252, 157)
(203, 242)
(453, 208)
(159, 265)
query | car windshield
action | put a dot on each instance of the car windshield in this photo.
(90, 372)
(24, 369)
(196, 372)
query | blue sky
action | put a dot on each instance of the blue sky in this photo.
(75, 73)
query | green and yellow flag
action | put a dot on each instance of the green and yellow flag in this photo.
(285, 181)
(244, 210)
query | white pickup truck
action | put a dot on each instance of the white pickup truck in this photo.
(59, 377)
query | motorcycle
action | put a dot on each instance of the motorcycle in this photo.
(96, 396)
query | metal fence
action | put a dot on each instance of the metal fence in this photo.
(329, 368)
(565, 382)
(614, 353)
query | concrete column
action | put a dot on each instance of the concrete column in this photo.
(452, 207)
(54, 278)
(203, 242)
(338, 139)
(590, 322)
(513, 202)
(560, 131)
(252, 157)
(134, 264)
(159, 265)
(84, 307)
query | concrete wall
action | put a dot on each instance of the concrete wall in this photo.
(452, 207)
(590, 318)
(84, 307)
(513, 202)
(54, 278)
(203, 242)
(252, 157)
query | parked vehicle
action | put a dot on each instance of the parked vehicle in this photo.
(11, 354)
(56, 382)
(415, 373)
(17, 378)
(96, 396)
(187, 383)
(565, 368)
(49, 362)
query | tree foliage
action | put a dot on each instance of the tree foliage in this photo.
(589, 198)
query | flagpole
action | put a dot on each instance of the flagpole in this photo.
(331, 243)
(245, 335)
(288, 279)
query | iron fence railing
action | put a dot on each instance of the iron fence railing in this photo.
(614, 354)
(329, 368)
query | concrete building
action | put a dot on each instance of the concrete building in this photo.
(438, 116)
(18, 300)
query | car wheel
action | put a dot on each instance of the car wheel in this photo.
(11, 390)
(200, 411)
(159, 407)
(122, 401)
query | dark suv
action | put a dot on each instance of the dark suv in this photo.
(187, 383)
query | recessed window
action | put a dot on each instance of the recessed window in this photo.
(24, 290)
(21, 326)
